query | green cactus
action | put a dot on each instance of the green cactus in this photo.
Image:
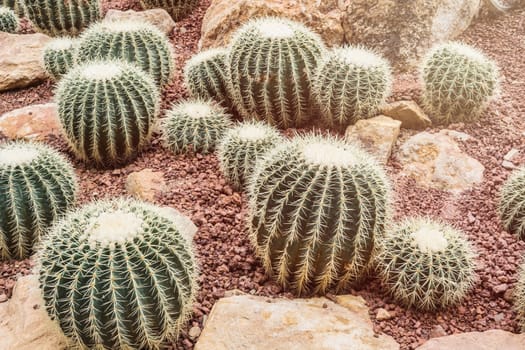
(37, 185)
(519, 298)
(59, 57)
(512, 204)
(107, 109)
(9, 21)
(459, 82)
(178, 9)
(118, 275)
(272, 64)
(195, 125)
(317, 207)
(135, 41)
(240, 148)
(351, 84)
(426, 264)
(59, 18)
(15, 5)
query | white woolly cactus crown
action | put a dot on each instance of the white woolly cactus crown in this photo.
(18, 153)
(62, 43)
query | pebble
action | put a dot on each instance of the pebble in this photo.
(437, 331)
(500, 288)
(508, 165)
(383, 315)
(194, 332)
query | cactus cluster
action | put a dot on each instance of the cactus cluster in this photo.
(107, 109)
(519, 297)
(9, 21)
(459, 82)
(59, 57)
(118, 275)
(317, 208)
(15, 5)
(37, 185)
(58, 17)
(194, 125)
(512, 204)
(272, 65)
(242, 146)
(351, 84)
(177, 9)
(426, 264)
(137, 42)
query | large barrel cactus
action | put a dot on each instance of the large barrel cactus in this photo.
(107, 109)
(519, 298)
(15, 5)
(37, 185)
(426, 264)
(317, 208)
(59, 17)
(9, 21)
(459, 82)
(59, 57)
(351, 84)
(512, 204)
(118, 275)
(177, 9)
(272, 64)
(135, 41)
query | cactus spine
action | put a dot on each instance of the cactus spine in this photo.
(118, 275)
(107, 109)
(351, 84)
(37, 185)
(272, 64)
(512, 204)
(317, 207)
(15, 5)
(9, 22)
(178, 9)
(59, 57)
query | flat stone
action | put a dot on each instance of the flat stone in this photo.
(146, 184)
(157, 17)
(511, 155)
(508, 165)
(383, 315)
(489, 340)
(408, 113)
(32, 122)
(260, 323)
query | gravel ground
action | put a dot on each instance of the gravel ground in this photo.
(226, 258)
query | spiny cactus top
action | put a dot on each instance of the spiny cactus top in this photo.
(178, 9)
(459, 82)
(59, 56)
(8, 20)
(426, 264)
(107, 109)
(512, 204)
(351, 84)
(132, 40)
(317, 207)
(37, 185)
(519, 297)
(59, 17)
(118, 275)
(272, 64)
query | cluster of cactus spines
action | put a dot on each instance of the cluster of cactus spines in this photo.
(59, 18)
(272, 65)
(9, 21)
(519, 297)
(512, 204)
(317, 208)
(135, 41)
(118, 275)
(59, 56)
(107, 110)
(15, 5)
(37, 185)
(177, 9)
(459, 82)
(351, 84)
(242, 146)
(194, 125)
(426, 264)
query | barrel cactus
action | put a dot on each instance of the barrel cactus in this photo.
(512, 204)
(59, 57)
(519, 297)
(135, 41)
(8, 20)
(240, 148)
(177, 9)
(107, 109)
(459, 82)
(15, 5)
(317, 207)
(272, 65)
(118, 275)
(426, 264)
(351, 84)
(58, 17)
(37, 185)
(194, 125)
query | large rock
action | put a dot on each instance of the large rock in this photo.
(24, 323)
(158, 17)
(489, 340)
(146, 184)
(402, 30)
(408, 113)
(436, 161)
(21, 60)
(32, 122)
(251, 322)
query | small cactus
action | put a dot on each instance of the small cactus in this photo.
(426, 264)
(15, 5)
(118, 275)
(59, 18)
(107, 109)
(178, 9)
(519, 298)
(459, 82)
(317, 207)
(512, 204)
(9, 21)
(194, 125)
(37, 185)
(59, 57)
(135, 41)
(272, 64)
(351, 84)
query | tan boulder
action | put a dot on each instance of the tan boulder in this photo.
(489, 340)
(157, 17)
(408, 113)
(32, 122)
(146, 184)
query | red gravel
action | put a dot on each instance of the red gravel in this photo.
(226, 258)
